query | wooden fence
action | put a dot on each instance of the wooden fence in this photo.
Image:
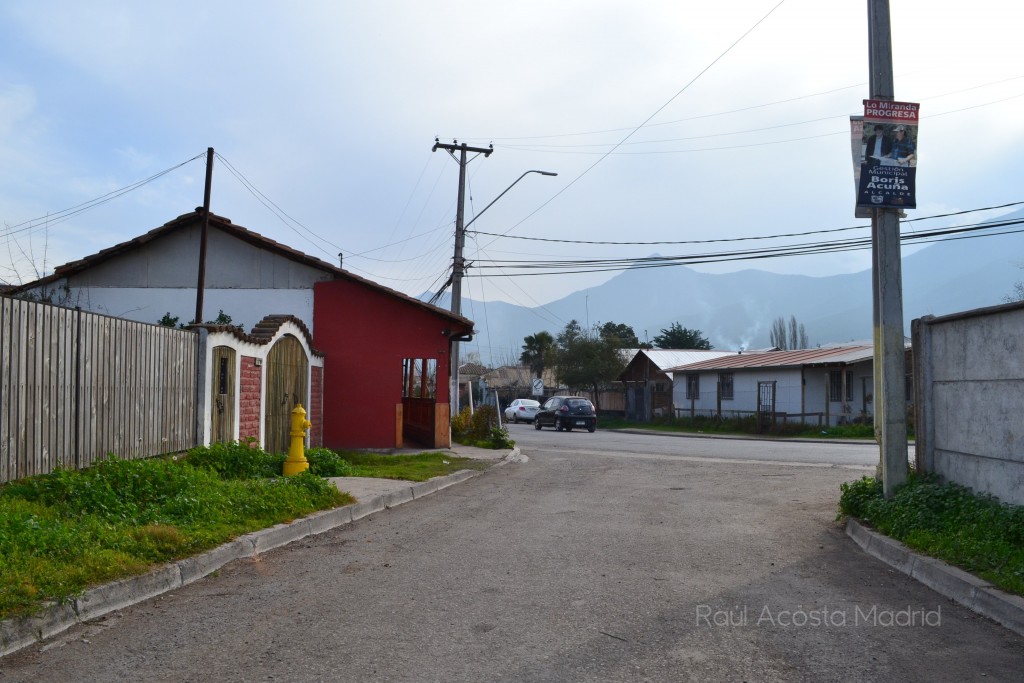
(76, 386)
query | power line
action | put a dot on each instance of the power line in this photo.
(65, 214)
(670, 100)
(579, 266)
(740, 239)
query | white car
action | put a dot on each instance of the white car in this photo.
(521, 410)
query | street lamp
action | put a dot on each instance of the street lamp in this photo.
(551, 173)
(458, 268)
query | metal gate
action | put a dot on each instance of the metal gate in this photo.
(287, 386)
(765, 406)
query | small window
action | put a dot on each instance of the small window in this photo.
(693, 386)
(725, 385)
(836, 391)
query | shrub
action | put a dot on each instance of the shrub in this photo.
(480, 429)
(235, 460)
(973, 531)
(324, 462)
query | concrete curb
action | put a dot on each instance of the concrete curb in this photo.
(55, 618)
(973, 593)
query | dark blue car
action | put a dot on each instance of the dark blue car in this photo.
(567, 413)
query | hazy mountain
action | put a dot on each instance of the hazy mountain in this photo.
(735, 310)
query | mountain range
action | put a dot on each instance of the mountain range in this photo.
(735, 310)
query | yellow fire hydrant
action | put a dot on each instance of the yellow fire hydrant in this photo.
(296, 461)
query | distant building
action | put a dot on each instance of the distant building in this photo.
(830, 385)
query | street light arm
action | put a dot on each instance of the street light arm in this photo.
(503, 194)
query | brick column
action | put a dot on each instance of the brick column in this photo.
(316, 407)
(250, 405)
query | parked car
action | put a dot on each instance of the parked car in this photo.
(522, 410)
(566, 412)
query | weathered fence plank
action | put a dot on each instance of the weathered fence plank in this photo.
(77, 386)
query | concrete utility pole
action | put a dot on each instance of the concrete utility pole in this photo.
(458, 263)
(890, 393)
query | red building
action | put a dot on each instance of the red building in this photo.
(387, 369)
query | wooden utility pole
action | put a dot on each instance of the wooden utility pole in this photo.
(201, 285)
(890, 392)
(458, 263)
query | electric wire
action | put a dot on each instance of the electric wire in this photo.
(580, 266)
(747, 239)
(65, 214)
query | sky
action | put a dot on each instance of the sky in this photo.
(666, 121)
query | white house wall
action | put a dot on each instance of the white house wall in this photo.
(792, 396)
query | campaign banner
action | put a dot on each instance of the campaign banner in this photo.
(888, 154)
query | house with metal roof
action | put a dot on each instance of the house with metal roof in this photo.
(648, 380)
(828, 385)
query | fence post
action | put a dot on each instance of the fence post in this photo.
(202, 380)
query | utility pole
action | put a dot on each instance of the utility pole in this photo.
(458, 263)
(201, 285)
(890, 393)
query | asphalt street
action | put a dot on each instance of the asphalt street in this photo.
(605, 557)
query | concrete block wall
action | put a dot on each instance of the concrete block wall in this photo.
(969, 381)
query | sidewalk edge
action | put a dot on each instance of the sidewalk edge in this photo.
(21, 632)
(973, 593)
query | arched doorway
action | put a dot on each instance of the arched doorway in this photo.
(222, 389)
(287, 371)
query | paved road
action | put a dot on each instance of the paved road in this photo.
(628, 444)
(647, 562)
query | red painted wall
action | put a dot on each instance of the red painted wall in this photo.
(316, 407)
(249, 406)
(365, 334)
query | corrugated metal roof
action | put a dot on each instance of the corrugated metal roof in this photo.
(665, 359)
(780, 359)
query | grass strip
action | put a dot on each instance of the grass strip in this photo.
(418, 467)
(66, 531)
(975, 532)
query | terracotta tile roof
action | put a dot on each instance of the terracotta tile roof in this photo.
(264, 331)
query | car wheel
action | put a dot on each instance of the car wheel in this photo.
(568, 426)
(515, 419)
(536, 425)
(592, 428)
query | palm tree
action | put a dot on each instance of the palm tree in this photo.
(536, 351)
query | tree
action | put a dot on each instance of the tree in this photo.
(621, 334)
(537, 349)
(586, 359)
(1018, 293)
(679, 337)
(788, 337)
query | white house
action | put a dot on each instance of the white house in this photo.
(829, 385)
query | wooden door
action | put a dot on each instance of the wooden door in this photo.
(287, 386)
(222, 391)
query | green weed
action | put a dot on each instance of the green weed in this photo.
(975, 532)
